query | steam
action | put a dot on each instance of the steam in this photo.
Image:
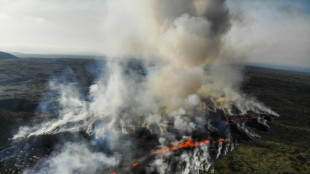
(189, 74)
(76, 157)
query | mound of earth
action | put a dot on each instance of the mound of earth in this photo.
(4, 55)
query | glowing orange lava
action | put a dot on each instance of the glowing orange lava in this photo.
(245, 118)
(190, 143)
(135, 164)
(187, 144)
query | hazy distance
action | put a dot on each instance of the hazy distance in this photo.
(265, 32)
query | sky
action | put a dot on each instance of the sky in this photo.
(272, 32)
(263, 31)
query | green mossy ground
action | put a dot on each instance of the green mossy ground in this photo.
(285, 148)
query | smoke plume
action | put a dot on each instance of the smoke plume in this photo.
(170, 77)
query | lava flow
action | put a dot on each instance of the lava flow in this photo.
(191, 144)
(187, 144)
(246, 118)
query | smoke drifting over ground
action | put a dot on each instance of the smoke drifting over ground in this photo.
(182, 86)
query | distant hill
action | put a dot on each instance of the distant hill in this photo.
(56, 56)
(4, 55)
(282, 67)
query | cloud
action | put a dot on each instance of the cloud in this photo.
(36, 26)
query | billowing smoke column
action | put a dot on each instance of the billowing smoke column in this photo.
(183, 35)
(175, 108)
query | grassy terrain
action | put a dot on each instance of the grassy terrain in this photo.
(285, 147)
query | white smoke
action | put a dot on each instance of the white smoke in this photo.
(188, 162)
(76, 158)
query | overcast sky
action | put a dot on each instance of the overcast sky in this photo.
(275, 31)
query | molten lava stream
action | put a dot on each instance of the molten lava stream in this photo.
(135, 164)
(245, 118)
(187, 144)
(190, 143)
